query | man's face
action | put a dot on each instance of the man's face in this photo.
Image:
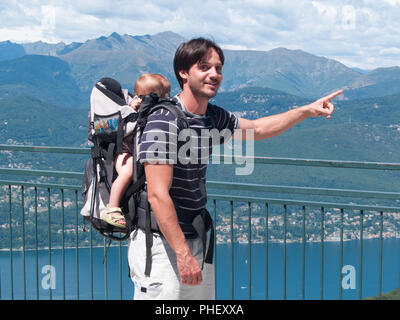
(204, 77)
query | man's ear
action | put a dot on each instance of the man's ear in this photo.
(183, 74)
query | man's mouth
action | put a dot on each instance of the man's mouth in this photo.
(212, 85)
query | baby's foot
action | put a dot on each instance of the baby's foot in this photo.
(114, 217)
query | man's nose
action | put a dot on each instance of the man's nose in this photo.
(214, 73)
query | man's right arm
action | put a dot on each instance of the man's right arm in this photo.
(159, 179)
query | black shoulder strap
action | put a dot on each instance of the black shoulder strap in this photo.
(171, 106)
(202, 223)
(152, 103)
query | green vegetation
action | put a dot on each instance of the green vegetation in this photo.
(27, 120)
(43, 77)
(393, 295)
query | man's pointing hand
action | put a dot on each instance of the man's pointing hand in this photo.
(322, 107)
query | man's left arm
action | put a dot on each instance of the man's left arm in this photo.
(274, 125)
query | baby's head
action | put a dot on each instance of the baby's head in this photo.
(151, 82)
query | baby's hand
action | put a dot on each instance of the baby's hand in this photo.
(135, 103)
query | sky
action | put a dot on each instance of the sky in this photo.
(358, 33)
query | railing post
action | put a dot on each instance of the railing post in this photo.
(303, 271)
(381, 255)
(322, 251)
(120, 270)
(105, 270)
(232, 255)
(23, 238)
(341, 254)
(361, 253)
(36, 245)
(215, 246)
(62, 240)
(77, 244)
(11, 245)
(266, 249)
(249, 207)
(91, 262)
(49, 235)
(284, 250)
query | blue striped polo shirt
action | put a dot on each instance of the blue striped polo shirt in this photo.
(188, 150)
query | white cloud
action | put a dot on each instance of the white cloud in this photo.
(359, 33)
(234, 47)
(328, 12)
(21, 34)
(390, 52)
(392, 2)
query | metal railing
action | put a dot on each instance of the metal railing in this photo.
(271, 215)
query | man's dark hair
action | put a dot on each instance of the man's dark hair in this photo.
(191, 52)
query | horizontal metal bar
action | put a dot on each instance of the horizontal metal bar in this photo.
(231, 198)
(42, 173)
(229, 159)
(45, 149)
(303, 203)
(309, 162)
(231, 185)
(39, 185)
(303, 190)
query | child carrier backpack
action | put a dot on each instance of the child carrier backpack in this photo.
(110, 120)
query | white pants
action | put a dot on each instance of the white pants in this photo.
(164, 281)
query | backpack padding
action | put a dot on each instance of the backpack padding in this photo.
(101, 104)
(117, 98)
(105, 104)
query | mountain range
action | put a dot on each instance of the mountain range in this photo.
(77, 66)
(45, 88)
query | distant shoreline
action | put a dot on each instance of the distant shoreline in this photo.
(218, 243)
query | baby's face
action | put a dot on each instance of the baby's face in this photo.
(167, 92)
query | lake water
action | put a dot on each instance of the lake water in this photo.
(119, 285)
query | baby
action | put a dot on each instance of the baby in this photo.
(144, 85)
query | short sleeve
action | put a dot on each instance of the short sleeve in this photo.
(223, 119)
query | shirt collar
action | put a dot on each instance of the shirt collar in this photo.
(180, 103)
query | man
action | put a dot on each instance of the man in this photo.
(176, 191)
